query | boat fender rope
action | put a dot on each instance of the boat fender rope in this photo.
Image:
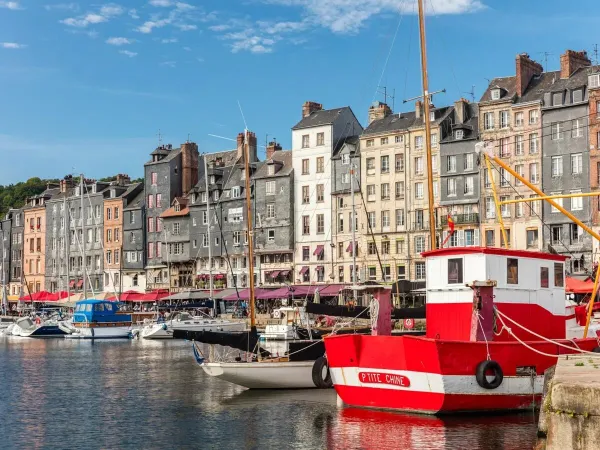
(480, 374)
(320, 373)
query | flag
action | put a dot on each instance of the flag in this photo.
(451, 227)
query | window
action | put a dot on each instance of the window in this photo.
(451, 184)
(370, 142)
(577, 128)
(544, 277)
(519, 210)
(504, 119)
(520, 169)
(371, 219)
(490, 208)
(469, 185)
(371, 248)
(151, 201)
(385, 164)
(176, 228)
(419, 244)
(469, 161)
(372, 273)
(305, 253)
(346, 178)
(117, 235)
(519, 119)
(399, 246)
(419, 165)
(371, 192)
(305, 167)
(271, 169)
(418, 191)
(532, 238)
(557, 166)
(470, 238)
(533, 143)
(154, 178)
(320, 164)
(556, 200)
(504, 177)
(345, 159)
(557, 130)
(385, 191)
(399, 139)
(370, 166)
(305, 225)
(488, 121)
(576, 202)
(459, 134)
(320, 223)
(495, 94)
(108, 257)
(385, 219)
(419, 142)
(399, 217)
(534, 176)
(556, 234)
(490, 239)
(383, 141)
(451, 164)
(151, 224)
(340, 222)
(270, 187)
(399, 189)
(305, 141)
(270, 235)
(320, 139)
(455, 271)
(533, 116)
(519, 146)
(559, 279)
(576, 163)
(434, 139)
(320, 193)
(203, 197)
(512, 271)
(305, 194)
(505, 209)
(399, 162)
(270, 210)
(504, 148)
(575, 233)
(420, 270)
(216, 194)
(432, 116)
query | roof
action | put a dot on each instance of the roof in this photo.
(389, 124)
(184, 211)
(137, 201)
(470, 126)
(348, 140)
(451, 251)
(170, 154)
(507, 84)
(320, 118)
(282, 158)
(229, 158)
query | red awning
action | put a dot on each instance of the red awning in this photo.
(319, 268)
(303, 270)
(72, 283)
(80, 284)
(319, 250)
(349, 249)
(284, 273)
(275, 274)
(579, 286)
(219, 276)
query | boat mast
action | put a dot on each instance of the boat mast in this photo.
(83, 263)
(249, 227)
(66, 243)
(353, 225)
(210, 279)
(426, 101)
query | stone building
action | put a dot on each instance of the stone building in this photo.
(16, 246)
(594, 138)
(134, 244)
(177, 251)
(566, 167)
(314, 141)
(5, 252)
(170, 173)
(459, 177)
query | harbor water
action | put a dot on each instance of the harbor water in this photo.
(137, 394)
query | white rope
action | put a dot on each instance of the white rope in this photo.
(374, 311)
(487, 345)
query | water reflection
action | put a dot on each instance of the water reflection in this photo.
(151, 394)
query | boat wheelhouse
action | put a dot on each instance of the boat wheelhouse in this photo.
(99, 319)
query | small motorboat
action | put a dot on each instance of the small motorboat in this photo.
(185, 321)
(285, 324)
(37, 328)
(97, 319)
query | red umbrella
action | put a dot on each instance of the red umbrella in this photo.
(153, 296)
(130, 296)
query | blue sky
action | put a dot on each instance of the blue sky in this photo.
(85, 86)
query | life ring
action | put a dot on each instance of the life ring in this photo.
(320, 373)
(276, 314)
(483, 368)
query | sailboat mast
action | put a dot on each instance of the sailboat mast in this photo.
(66, 243)
(426, 104)
(353, 225)
(249, 225)
(83, 239)
(210, 278)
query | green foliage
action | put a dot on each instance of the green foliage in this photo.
(14, 195)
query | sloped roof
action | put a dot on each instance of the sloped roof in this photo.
(282, 158)
(171, 212)
(508, 84)
(137, 201)
(320, 118)
(170, 154)
(348, 140)
(470, 126)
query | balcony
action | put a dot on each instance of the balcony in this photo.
(462, 219)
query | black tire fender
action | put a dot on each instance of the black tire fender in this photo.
(320, 373)
(484, 367)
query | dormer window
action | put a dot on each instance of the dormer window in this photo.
(271, 169)
(216, 195)
(212, 179)
(432, 116)
(459, 134)
(235, 191)
(242, 174)
(177, 207)
(194, 197)
(594, 80)
(203, 197)
(496, 94)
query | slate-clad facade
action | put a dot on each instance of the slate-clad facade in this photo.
(16, 249)
(134, 244)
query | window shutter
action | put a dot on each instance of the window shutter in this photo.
(461, 238)
(444, 236)
(476, 238)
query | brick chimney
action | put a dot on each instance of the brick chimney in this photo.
(418, 109)
(189, 166)
(122, 179)
(252, 145)
(378, 110)
(460, 110)
(272, 148)
(66, 183)
(310, 107)
(526, 68)
(571, 60)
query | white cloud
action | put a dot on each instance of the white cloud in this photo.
(200, 60)
(12, 45)
(171, 64)
(161, 3)
(128, 53)
(133, 14)
(186, 27)
(248, 40)
(187, 49)
(118, 41)
(104, 14)
(63, 7)
(10, 5)
(168, 41)
(178, 17)
(221, 27)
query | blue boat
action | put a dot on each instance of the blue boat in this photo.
(97, 319)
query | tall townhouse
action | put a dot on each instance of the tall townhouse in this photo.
(274, 217)
(34, 237)
(177, 246)
(594, 138)
(86, 249)
(566, 162)
(396, 228)
(57, 234)
(314, 141)
(220, 166)
(170, 173)
(345, 165)
(116, 199)
(5, 235)
(16, 257)
(510, 118)
(459, 177)
(134, 244)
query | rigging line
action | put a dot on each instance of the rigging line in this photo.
(362, 197)
(389, 52)
(410, 37)
(83, 263)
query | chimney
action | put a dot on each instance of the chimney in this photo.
(189, 166)
(272, 148)
(460, 110)
(123, 179)
(418, 109)
(526, 68)
(251, 150)
(571, 61)
(310, 107)
(378, 110)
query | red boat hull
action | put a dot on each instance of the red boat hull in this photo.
(417, 374)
